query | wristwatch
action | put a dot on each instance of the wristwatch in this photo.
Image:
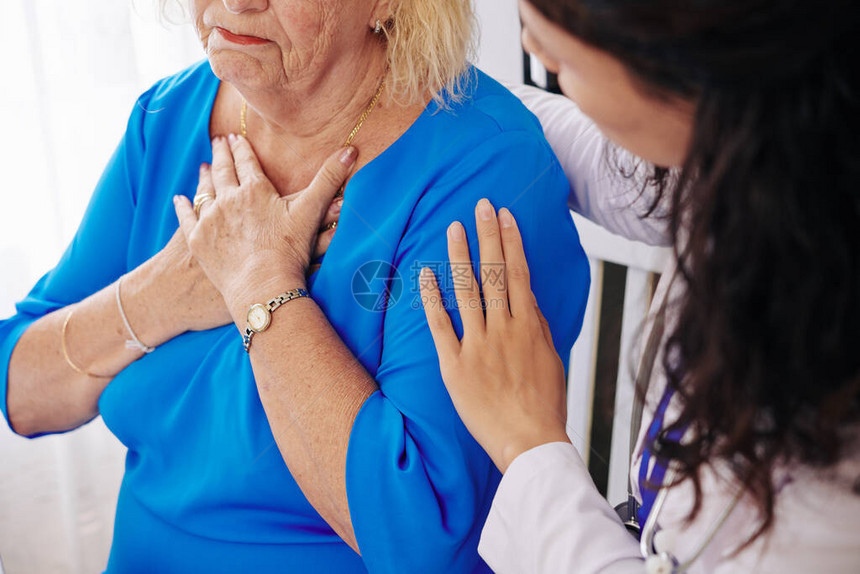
(260, 315)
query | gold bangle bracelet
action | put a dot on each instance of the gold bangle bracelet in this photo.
(66, 351)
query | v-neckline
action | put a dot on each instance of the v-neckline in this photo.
(205, 143)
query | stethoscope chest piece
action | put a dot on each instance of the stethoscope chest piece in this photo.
(662, 563)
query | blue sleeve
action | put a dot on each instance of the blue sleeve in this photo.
(96, 256)
(419, 486)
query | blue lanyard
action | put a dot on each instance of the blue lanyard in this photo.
(660, 464)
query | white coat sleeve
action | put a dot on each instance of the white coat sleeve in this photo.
(548, 518)
(597, 190)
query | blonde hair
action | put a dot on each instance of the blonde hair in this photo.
(430, 43)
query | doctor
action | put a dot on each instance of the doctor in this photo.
(748, 457)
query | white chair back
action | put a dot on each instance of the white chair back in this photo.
(642, 264)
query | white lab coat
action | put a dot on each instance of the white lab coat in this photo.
(547, 516)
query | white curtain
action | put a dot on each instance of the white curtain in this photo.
(70, 73)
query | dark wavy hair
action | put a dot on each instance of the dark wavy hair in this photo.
(765, 218)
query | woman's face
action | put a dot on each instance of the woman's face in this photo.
(267, 44)
(656, 130)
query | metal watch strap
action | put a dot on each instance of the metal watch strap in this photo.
(248, 333)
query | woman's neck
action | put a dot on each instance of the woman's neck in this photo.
(300, 124)
(313, 107)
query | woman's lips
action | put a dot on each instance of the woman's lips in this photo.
(237, 39)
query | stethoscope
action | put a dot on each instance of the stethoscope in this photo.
(655, 549)
(659, 559)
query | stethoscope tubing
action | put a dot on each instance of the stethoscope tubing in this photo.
(649, 530)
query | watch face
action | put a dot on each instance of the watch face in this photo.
(258, 317)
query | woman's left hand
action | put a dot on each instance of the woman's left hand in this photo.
(504, 377)
(250, 241)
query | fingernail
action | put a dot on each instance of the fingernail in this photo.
(175, 199)
(232, 139)
(339, 202)
(456, 232)
(347, 157)
(485, 209)
(426, 273)
(505, 217)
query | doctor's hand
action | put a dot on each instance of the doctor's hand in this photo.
(504, 376)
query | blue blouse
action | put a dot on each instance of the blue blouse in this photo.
(205, 487)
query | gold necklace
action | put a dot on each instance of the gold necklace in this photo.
(243, 115)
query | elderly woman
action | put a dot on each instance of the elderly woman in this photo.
(318, 437)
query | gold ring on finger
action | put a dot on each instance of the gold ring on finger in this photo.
(200, 200)
(203, 198)
(328, 226)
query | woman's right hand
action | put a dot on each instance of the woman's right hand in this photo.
(194, 304)
(188, 301)
(170, 294)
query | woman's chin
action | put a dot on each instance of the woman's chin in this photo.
(236, 67)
